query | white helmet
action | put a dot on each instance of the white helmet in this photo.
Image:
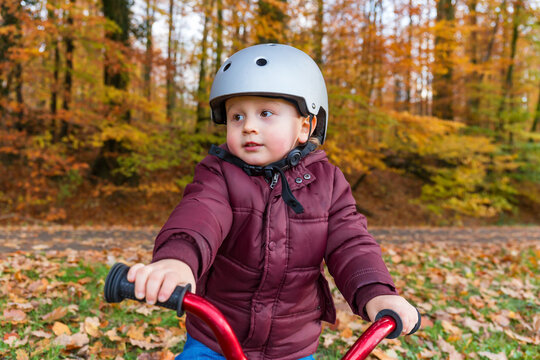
(272, 70)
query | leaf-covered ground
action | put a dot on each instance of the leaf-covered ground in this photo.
(479, 300)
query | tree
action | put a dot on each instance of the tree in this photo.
(170, 64)
(318, 33)
(272, 22)
(202, 87)
(68, 75)
(115, 76)
(508, 81)
(443, 66)
(149, 52)
(11, 67)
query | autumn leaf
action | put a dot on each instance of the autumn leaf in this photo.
(71, 342)
(449, 349)
(91, 326)
(14, 316)
(491, 356)
(60, 328)
(56, 314)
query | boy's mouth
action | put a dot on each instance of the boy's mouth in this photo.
(251, 145)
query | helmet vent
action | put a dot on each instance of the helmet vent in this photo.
(227, 67)
(261, 61)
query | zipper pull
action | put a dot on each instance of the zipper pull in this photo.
(274, 180)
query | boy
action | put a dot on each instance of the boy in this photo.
(261, 215)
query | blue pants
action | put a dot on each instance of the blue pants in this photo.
(194, 349)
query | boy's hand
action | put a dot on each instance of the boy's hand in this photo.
(406, 311)
(156, 281)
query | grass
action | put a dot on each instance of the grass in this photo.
(478, 300)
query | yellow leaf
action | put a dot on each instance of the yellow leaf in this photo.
(60, 328)
(21, 354)
(346, 333)
(91, 325)
(136, 333)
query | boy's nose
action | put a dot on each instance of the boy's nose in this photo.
(250, 125)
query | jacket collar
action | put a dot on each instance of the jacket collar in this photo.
(296, 168)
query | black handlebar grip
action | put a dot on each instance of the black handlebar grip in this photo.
(118, 288)
(417, 326)
(399, 324)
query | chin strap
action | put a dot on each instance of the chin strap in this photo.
(270, 170)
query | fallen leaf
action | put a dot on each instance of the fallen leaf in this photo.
(21, 354)
(492, 356)
(56, 314)
(474, 325)
(72, 341)
(146, 345)
(449, 349)
(14, 316)
(91, 325)
(41, 334)
(454, 330)
(60, 328)
(166, 355)
(136, 333)
(384, 355)
(113, 335)
(500, 319)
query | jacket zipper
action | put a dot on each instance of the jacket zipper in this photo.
(274, 181)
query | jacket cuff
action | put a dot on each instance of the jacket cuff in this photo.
(366, 293)
(181, 247)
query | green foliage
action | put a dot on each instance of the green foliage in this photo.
(468, 174)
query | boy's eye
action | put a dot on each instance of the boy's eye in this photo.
(237, 117)
(266, 113)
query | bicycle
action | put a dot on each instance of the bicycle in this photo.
(387, 323)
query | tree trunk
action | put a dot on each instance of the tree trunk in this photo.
(219, 35)
(54, 90)
(19, 96)
(318, 33)
(202, 109)
(170, 66)
(68, 74)
(272, 22)
(442, 74)
(473, 80)
(408, 76)
(507, 86)
(53, 106)
(537, 112)
(149, 51)
(106, 162)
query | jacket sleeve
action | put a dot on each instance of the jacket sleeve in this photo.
(201, 221)
(352, 255)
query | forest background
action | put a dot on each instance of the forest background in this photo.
(434, 105)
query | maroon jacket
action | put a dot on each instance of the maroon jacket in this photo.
(260, 263)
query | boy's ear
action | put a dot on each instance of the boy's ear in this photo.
(304, 131)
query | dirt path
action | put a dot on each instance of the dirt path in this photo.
(61, 237)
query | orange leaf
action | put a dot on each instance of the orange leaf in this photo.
(56, 314)
(60, 328)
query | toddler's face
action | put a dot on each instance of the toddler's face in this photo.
(262, 130)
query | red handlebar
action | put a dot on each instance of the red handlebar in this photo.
(371, 338)
(232, 350)
(208, 313)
